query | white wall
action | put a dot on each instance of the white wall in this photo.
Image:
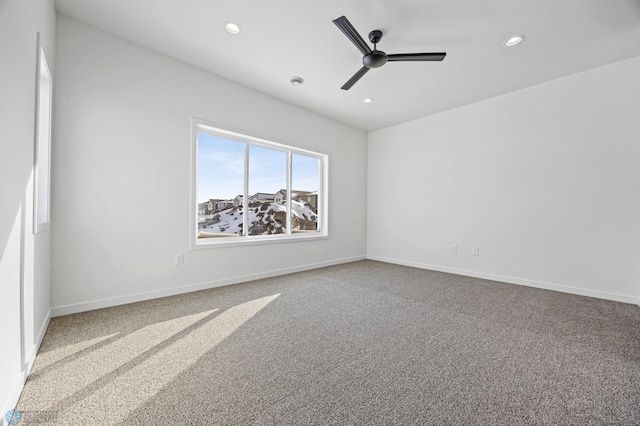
(24, 257)
(121, 185)
(544, 180)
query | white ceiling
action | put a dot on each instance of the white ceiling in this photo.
(285, 38)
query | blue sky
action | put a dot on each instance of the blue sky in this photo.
(221, 163)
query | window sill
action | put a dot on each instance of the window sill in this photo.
(210, 243)
(41, 228)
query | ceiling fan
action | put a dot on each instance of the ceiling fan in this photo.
(376, 58)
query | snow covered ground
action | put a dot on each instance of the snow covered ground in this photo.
(264, 219)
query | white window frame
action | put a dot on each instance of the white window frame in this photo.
(42, 146)
(214, 129)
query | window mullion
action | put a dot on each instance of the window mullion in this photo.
(245, 195)
(320, 198)
(289, 189)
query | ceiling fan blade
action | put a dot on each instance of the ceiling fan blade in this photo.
(351, 33)
(417, 57)
(357, 76)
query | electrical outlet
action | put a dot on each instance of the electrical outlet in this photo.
(179, 258)
(38, 286)
(475, 251)
(454, 248)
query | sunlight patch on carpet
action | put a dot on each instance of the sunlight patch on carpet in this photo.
(123, 375)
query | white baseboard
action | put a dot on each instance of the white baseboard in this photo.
(36, 347)
(17, 387)
(139, 297)
(512, 280)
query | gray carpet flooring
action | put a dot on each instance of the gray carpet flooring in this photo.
(362, 343)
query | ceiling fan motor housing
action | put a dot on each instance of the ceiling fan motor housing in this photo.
(375, 59)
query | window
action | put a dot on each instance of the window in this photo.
(251, 190)
(42, 144)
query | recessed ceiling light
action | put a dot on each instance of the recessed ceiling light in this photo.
(232, 28)
(296, 81)
(368, 101)
(514, 41)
